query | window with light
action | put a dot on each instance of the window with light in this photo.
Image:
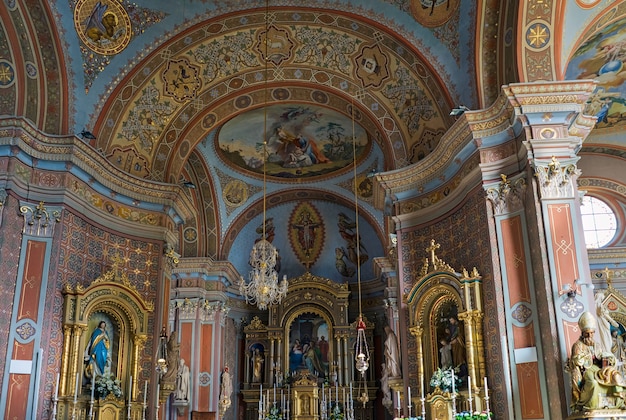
(599, 222)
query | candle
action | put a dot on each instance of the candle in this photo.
(486, 389)
(422, 386)
(469, 386)
(130, 388)
(409, 398)
(336, 392)
(398, 395)
(76, 387)
(145, 391)
(274, 393)
(93, 386)
(56, 390)
(157, 394)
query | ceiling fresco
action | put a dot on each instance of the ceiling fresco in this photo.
(302, 141)
(602, 58)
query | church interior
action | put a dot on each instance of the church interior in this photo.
(337, 210)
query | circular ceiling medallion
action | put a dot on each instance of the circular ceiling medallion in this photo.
(303, 141)
(235, 193)
(103, 26)
(432, 13)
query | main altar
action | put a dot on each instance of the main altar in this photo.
(303, 362)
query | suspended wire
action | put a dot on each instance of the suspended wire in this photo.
(356, 210)
(265, 119)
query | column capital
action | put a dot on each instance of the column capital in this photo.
(507, 196)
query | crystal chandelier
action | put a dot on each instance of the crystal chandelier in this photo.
(263, 288)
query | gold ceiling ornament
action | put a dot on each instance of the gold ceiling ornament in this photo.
(263, 288)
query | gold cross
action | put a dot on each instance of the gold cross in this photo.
(433, 246)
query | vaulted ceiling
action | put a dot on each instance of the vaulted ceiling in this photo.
(279, 99)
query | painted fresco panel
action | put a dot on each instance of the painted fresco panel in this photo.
(524, 337)
(515, 258)
(530, 390)
(205, 365)
(16, 403)
(31, 281)
(302, 141)
(563, 243)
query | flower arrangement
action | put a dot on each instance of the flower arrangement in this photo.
(106, 385)
(274, 414)
(466, 415)
(336, 413)
(442, 379)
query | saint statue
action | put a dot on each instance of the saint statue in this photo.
(257, 366)
(182, 382)
(392, 353)
(594, 376)
(227, 388)
(97, 356)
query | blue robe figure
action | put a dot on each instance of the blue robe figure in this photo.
(97, 351)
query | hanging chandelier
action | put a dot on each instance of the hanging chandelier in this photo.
(263, 288)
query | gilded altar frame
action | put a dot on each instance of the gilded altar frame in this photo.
(439, 288)
(112, 296)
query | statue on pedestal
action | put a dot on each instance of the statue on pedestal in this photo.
(596, 383)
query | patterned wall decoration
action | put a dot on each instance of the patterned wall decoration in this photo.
(86, 251)
(50, 114)
(462, 246)
(538, 47)
(10, 234)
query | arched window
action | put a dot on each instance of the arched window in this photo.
(599, 222)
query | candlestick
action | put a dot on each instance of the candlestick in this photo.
(56, 389)
(76, 388)
(93, 387)
(469, 390)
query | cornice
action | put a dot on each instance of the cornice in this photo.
(73, 155)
